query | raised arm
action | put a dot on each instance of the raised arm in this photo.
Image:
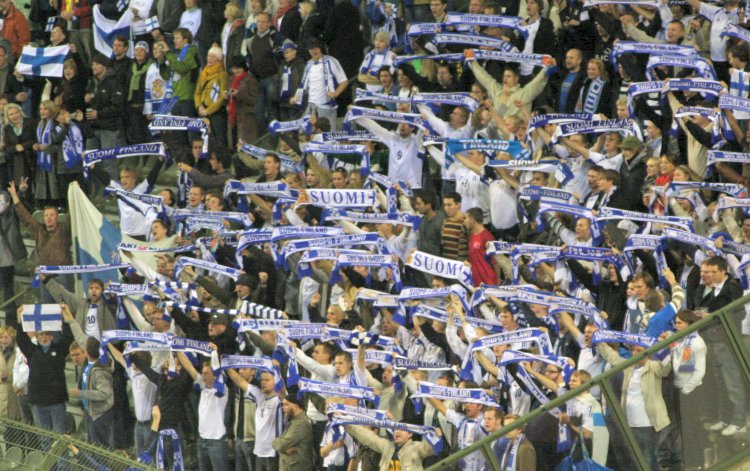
(187, 365)
(117, 355)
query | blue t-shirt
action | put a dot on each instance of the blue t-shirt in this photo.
(567, 84)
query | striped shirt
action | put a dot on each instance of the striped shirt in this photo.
(454, 239)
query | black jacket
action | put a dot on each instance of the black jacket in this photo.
(108, 102)
(291, 23)
(172, 393)
(47, 384)
(555, 85)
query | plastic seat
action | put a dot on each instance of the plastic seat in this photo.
(35, 458)
(14, 455)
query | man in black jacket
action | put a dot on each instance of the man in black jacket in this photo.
(717, 290)
(564, 87)
(48, 391)
(105, 107)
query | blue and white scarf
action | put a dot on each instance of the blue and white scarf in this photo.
(397, 218)
(75, 269)
(633, 47)
(439, 266)
(44, 136)
(539, 60)
(514, 148)
(177, 462)
(440, 315)
(700, 65)
(216, 268)
(422, 29)
(513, 356)
(73, 146)
(367, 95)
(181, 123)
(616, 336)
(337, 390)
(270, 189)
(368, 239)
(92, 157)
(236, 217)
(626, 126)
(698, 85)
(337, 149)
(474, 40)
(403, 363)
(368, 260)
(288, 164)
(593, 96)
(301, 124)
(498, 21)
(606, 214)
(352, 136)
(450, 57)
(640, 88)
(357, 112)
(460, 395)
(736, 31)
(389, 183)
(358, 199)
(464, 100)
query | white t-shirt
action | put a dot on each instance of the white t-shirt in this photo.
(269, 421)
(635, 405)
(92, 322)
(191, 19)
(211, 413)
(503, 213)
(316, 84)
(144, 394)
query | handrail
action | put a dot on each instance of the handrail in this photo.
(7, 302)
(561, 400)
(97, 457)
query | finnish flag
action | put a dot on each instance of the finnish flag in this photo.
(42, 61)
(106, 30)
(41, 318)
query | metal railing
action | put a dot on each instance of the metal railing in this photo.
(30, 448)
(720, 321)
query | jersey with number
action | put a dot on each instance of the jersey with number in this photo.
(404, 162)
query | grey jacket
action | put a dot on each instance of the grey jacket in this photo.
(98, 394)
(80, 306)
(12, 249)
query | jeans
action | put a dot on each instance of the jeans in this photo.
(104, 139)
(141, 437)
(213, 454)
(99, 431)
(49, 417)
(266, 464)
(735, 389)
(328, 113)
(265, 110)
(646, 439)
(244, 460)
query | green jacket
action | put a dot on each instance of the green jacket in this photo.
(298, 437)
(185, 72)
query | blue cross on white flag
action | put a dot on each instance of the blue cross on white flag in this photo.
(50, 24)
(145, 26)
(41, 318)
(215, 92)
(42, 61)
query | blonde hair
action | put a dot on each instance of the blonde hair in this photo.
(12, 106)
(233, 10)
(305, 8)
(600, 65)
(217, 52)
(51, 108)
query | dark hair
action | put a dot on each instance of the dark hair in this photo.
(385, 68)
(330, 351)
(92, 347)
(221, 153)
(346, 355)
(610, 175)
(427, 197)
(496, 411)
(273, 156)
(185, 33)
(122, 40)
(172, 196)
(341, 170)
(323, 124)
(717, 262)
(740, 51)
(455, 196)
(687, 316)
(646, 278)
(476, 214)
(96, 281)
(49, 206)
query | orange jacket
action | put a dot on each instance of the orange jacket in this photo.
(16, 30)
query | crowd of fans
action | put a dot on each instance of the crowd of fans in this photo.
(461, 212)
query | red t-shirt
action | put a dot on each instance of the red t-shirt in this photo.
(481, 270)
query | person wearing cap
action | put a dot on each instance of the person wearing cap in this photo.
(289, 78)
(322, 82)
(105, 102)
(137, 129)
(379, 56)
(295, 445)
(633, 171)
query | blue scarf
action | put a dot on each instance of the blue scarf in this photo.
(44, 136)
(73, 146)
